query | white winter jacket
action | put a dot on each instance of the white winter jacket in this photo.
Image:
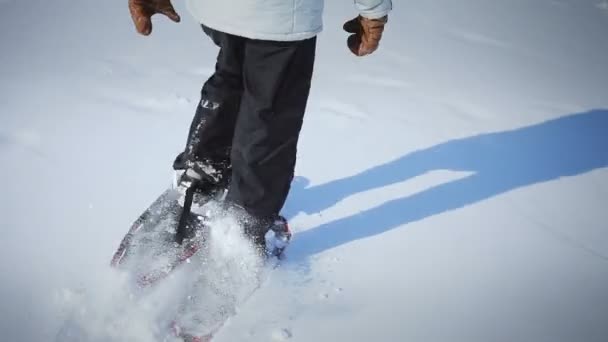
(281, 20)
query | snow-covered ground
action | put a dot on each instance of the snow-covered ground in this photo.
(451, 187)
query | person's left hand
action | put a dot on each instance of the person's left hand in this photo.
(366, 34)
(143, 10)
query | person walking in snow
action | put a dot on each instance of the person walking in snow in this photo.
(245, 130)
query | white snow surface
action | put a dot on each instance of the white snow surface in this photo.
(451, 187)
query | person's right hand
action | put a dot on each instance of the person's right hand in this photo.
(366, 34)
(143, 10)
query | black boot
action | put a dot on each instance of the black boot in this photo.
(270, 236)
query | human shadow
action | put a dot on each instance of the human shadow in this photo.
(500, 162)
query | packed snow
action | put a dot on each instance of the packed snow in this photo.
(451, 187)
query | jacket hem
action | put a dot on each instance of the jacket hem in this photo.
(281, 37)
(375, 15)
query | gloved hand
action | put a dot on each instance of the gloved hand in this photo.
(366, 34)
(143, 10)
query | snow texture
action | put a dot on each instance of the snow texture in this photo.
(452, 186)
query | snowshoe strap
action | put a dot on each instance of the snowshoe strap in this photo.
(182, 227)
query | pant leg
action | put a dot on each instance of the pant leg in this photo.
(212, 129)
(276, 80)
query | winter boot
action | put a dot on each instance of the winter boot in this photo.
(277, 237)
(270, 236)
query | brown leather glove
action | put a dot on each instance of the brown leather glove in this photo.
(366, 34)
(143, 10)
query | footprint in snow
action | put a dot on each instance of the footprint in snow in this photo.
(282, 334)
(345, 110)
(326, 295)
(29, 140)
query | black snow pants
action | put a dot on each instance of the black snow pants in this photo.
(246, 127)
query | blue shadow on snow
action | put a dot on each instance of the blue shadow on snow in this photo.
(500, 162)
